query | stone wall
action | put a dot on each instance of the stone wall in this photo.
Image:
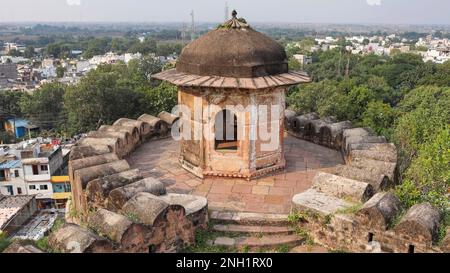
(349, 207)
(113, 208)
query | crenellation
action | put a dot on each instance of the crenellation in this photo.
(128, 213)
(371, 226)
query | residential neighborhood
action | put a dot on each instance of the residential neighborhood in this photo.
(27, 74)
(431, 49)
(35, 167)
(291, 127)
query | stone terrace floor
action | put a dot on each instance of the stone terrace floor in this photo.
(269, 194)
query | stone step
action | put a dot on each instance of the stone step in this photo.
(282, 230)
(269, 241)
(319, 202)
(309, 249)
(249, 218)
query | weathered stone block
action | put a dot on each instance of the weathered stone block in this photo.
(318, 202)
(119, 196)
(421, 223)
(75, 239)
(342, 187)
(379, 211)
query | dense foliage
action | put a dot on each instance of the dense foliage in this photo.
(110, 92)
(114, 91)
(400, 97)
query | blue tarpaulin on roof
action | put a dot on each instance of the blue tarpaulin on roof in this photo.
(10, 164)
(20, 125)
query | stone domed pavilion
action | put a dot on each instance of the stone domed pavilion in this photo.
(233, 65)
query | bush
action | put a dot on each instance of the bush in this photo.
(379, 116)
(428, 177)
(4, 242)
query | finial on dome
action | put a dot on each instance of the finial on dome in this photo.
(235, 22)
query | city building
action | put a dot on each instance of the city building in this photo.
(61, 190)
(8, 74)
(28, 168)
(11, 177)
(303, 59)
(38, 171)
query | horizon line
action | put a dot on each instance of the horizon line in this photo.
(217, 22)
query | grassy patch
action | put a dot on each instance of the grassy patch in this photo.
(4, 241)
(300, 216)
(283, 249)
(350, 210)
(443, 228)
(203, 239)
(303, 233)
(338, 250)
(326, 220)
(133, 217)
(42, 244)
(396, 220)
(245, 249)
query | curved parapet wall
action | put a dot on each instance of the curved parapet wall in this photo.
(348, 207)
(113, 208)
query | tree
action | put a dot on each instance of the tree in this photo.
(382, 90)
(15, 53)
(165, 49)
(428, 177)
(6, 137)
(29, 52)
(396, 67)
(326, 98)
(148, 66)
(103, 96)
(422, 113)
(379, 116)
(162, 98)
(294, 64)
(149, 45)
(60, 71)
(97, 46)
(437, 75)
(45, 106)
(9, 103)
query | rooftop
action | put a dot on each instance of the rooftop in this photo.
(10, 164)
(10, 206)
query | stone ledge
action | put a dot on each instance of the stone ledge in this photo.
(249, 218)
(319, 202)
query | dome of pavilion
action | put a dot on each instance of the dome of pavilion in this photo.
(233, 50)
(233, 56)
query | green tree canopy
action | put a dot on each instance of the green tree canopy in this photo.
(45, 106)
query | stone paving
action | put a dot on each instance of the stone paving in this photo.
(269, 194)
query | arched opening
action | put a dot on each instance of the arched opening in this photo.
(225, 127)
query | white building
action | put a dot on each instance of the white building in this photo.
(303, 59)
(11, 178)
(14, 60)
(30, 170)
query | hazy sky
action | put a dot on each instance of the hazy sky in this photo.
(295, 11)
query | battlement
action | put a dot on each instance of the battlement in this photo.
(114, 208)
(350, 207)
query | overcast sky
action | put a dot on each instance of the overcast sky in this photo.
(294, 11)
